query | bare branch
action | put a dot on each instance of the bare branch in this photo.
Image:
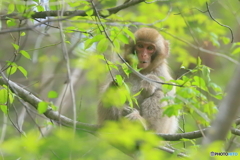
(169, 150)
(192, 135)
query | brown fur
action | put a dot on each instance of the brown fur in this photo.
(149, 100)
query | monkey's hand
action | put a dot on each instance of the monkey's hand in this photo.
(135, 116)
(149, 87)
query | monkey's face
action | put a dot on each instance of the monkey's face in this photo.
(144, 50)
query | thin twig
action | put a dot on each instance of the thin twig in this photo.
(219, 22)
(203, 50)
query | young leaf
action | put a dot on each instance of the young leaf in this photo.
(102, 45)
(42, 107)
(129, 33)
(4, 108)
(25, 54)
(123, 38)
(16, 47)
(52, 94)
(23, 34)
(3, 96)
(11, 70)
(23, 71)
(119, 80)
(11, 7)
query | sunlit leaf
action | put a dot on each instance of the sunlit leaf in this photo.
(236, 51)
(40, 8)
(11, 22)
(52, 94)
(4, 108)
(88, 43)
(11, 70)
(23, 71)
(102, 45)
(23, 34)
(25, 54)
(129, 33)
(119, 80)
(104, 12)
(11, 8)
(42, 107)
(21, 7)
(3, 96)
(123, 38)
(16, 47)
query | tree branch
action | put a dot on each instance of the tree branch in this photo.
(192, 135)
(53, 115)
(82, 13)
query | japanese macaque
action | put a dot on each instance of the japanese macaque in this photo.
(151, 50)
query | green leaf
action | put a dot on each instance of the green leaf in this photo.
(3, 96)
(114, 96)
(123, 38)
(215, 87)
(172, 110)
(104, 12)
(11, 8)
(236, 51)
(88, 43)
(40, 8)
(42, 107)
(20, 8)
(102, 45)
(11, 70)
(16, 47)
(55, 108)
(206, 73)
(225, 40)
(199, 61)
(25, 54)
(89, 12)
(129, 33)
(116, 46)
(199, 82)
(52, 94)
(11, 22)
(23, 71)
(119, 80)
(4, 108)
(23, 34)
(6, 92)
(54, 5)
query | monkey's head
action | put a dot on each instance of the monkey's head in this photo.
(150, 48)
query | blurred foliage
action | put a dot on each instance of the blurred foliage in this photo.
(34, 58)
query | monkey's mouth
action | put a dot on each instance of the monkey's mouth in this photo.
(143, 61)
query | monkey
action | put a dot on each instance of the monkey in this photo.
(151, 50)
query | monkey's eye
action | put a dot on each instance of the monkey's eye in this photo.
(140, 46)
(150, 48)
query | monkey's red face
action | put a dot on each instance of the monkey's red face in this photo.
(145, 50)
